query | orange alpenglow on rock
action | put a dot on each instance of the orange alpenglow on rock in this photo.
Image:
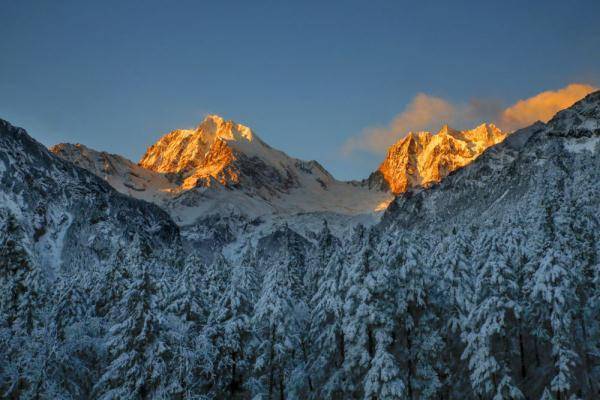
(200, 154)
(421, 159)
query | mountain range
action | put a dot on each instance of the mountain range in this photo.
(466, 266)
(222, 167)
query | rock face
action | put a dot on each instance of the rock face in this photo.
(422, 158)
(222, 151)
(185, 150)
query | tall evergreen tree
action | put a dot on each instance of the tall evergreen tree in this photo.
(230, 331)
(326, 330)
(23, 300)
(491, 324)
(553, 292)
(186, 312)
(216, 276)
(326, 247)
(418, 341)
(367, 324)
(277, 326)
(139, 356)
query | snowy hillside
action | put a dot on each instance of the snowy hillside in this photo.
(122, 174)
(70, 215)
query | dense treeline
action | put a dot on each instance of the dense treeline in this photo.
(504, 311)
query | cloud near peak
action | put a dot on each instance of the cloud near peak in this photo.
(427, 112)
(420, 114)
(542, 107)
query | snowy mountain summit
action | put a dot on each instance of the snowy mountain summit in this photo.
(422, 158)
(225, 151)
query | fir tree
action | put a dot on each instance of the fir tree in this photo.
(138, 354)
(277, 328)
(367, 324)
(23, 300)
(326, 330)
(186, 312)
(490, 326)
(230, 331)
(418, 341)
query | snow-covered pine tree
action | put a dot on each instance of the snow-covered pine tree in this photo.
(326, 333)
(277, 326)
(216, 275)
(371, 370)
(451, 296)
(326, 247)
(186, 313)
(384, 379)
(58, 358)
(454, 266)
(359, 341)
(109, 285)
(230, 331)
(553, 292)
(300, 381)
(521, 249)
(40, 355)
(491, 325)
(575, 230)
(16, 268)
(23, 301)
(418, 341)
(75, 331)
(138, 354)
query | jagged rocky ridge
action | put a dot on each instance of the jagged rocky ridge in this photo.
(421, 159)
(222, 174)
(482, 286)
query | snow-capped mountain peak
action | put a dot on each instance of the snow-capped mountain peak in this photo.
(420, 159)
(221, 150)
(121, 173)
(225, 129)
(183, 150)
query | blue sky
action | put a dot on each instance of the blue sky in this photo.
(306, 76)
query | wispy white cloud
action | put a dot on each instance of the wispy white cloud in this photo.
(427, 112)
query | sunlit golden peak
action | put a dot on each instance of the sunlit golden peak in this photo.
(214, 126)
(422, 159)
